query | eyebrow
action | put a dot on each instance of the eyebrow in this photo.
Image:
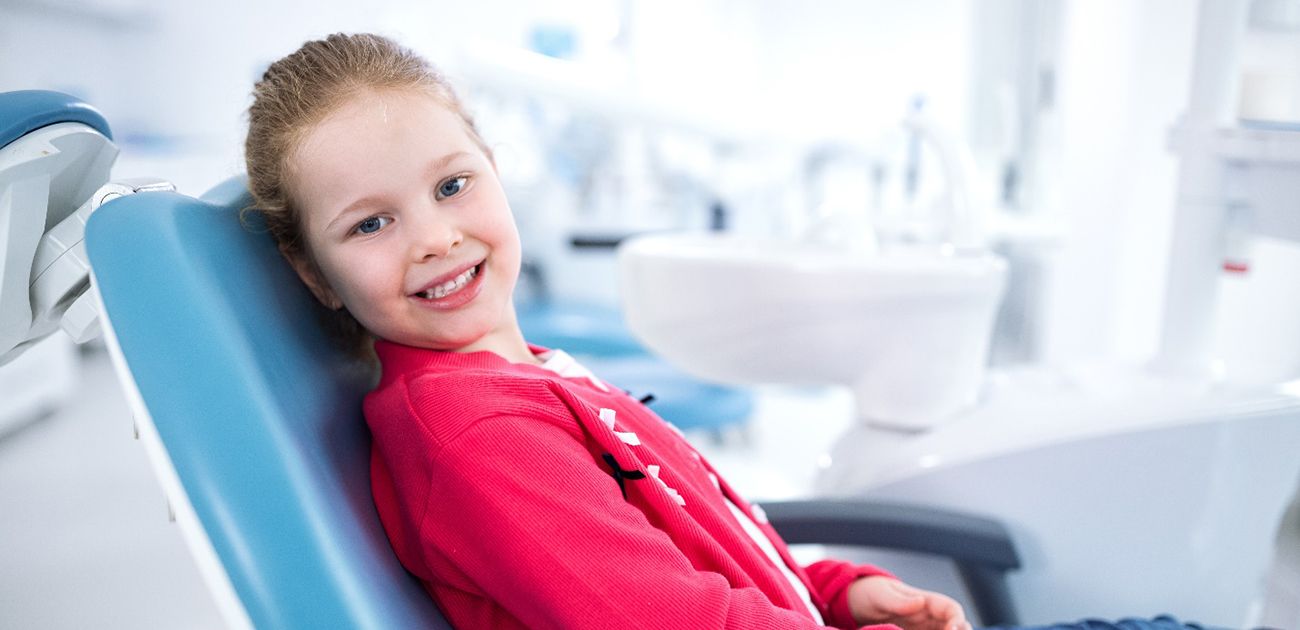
(434, 167)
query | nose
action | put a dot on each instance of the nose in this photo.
(432, 234)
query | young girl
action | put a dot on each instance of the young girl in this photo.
(522, 490)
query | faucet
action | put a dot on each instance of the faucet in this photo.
(956, 228)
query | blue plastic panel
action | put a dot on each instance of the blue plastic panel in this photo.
(256, 408)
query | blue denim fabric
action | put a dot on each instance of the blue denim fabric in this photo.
(1163, 622)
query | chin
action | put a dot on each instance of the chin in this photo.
(461, 341)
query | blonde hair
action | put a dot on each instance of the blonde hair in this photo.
(296, 93)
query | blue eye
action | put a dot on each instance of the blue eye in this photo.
(452, 187)
(371, 225)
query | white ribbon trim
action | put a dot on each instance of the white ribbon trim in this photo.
(628, 437)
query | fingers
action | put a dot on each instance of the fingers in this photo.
(942, 607)
(903, 600)
(917, 609)
(938, 612)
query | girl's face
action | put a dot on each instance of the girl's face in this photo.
(407, 223)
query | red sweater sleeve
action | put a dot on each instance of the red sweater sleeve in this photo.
(830, 580)
(520, 510)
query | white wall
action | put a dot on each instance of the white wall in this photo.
(852, 67)
(185, 68)
(174, 80)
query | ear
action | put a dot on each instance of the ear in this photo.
(311, 276)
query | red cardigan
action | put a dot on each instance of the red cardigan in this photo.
(503, 489)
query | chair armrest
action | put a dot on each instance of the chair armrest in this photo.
(981, 548)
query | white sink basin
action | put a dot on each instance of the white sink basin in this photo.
(907, 330)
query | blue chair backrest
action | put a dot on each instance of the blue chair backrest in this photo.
(258, 411)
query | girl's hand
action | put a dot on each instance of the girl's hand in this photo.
(885, 600)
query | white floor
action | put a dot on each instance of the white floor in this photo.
(85, 540)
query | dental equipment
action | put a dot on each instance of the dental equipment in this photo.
(55, 155)
(1150, 489)
(1232, 178)
(1133, 491)
(906, 327)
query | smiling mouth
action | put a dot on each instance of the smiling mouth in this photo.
(453, 286)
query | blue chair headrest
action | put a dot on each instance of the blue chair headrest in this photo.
(24, 111)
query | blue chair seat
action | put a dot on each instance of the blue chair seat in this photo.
(597, 336)
(679, 398)
(580, 329)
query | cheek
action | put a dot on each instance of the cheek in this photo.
(502, 226)
(355, 278)
(507, 247)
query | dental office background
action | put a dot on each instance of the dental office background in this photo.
(609, 119)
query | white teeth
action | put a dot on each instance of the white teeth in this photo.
(450, 286)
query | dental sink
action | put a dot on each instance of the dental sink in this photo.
(907, 329)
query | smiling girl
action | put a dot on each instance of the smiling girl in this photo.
(519, 488)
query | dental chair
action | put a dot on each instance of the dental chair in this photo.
(252, 418)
